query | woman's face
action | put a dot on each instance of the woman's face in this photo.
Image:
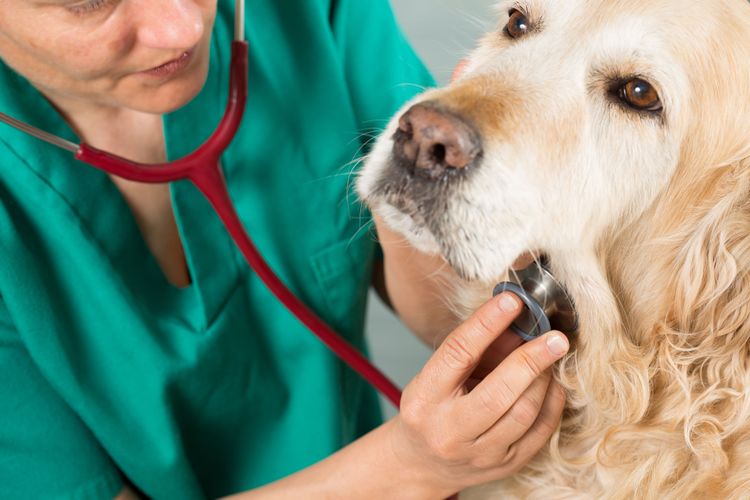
(146, 55)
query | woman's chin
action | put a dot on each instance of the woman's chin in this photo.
(170, 102)
(167, 96)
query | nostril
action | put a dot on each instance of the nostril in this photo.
(438, 153)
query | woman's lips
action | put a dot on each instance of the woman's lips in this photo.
(172, 67)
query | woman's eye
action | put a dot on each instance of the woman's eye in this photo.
(641, 95)
(80, 9)
(518, 24)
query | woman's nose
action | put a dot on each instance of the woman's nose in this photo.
(169, 24)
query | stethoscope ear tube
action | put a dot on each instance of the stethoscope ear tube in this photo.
(541, 323)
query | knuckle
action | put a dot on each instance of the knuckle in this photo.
(506, 396)
(497, 401)
(442, 447)
(457, 353)
(489, 402)
(483, 325)
(524, 412)
(511, 455)
(546, 426)
(550, 416)
(530, 364)
(413, 413)
(413, 391)
(485, 461)
(547, 423)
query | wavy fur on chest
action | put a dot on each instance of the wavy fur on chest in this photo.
(658, 401)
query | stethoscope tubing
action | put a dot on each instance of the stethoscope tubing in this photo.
(203, 169)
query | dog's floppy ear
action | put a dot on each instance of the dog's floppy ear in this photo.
(705, 335)
(711, 278)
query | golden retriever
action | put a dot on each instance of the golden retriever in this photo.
(612, 136)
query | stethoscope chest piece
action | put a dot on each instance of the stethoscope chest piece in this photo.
(548, 304)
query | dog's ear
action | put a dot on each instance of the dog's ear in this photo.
(705, 333)
(711, 278)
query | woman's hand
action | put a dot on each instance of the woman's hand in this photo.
(448, 436)
(417, 285)
(456, 436)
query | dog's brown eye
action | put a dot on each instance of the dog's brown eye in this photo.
(518, 24)
(640, 95)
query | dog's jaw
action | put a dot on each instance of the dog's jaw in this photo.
(415, 234)
(480, 241)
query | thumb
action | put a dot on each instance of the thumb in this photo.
(453, 362)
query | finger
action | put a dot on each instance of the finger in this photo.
(444, 374)
(459, 70)
(496, 353)
(516, 422)
(499, 390)
(539, 434)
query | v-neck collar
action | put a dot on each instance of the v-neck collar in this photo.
(100, 206)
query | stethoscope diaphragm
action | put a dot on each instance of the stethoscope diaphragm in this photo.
(548, 304)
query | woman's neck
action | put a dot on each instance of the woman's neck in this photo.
(132, 134)
(139, 137)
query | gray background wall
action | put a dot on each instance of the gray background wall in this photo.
(442, 31)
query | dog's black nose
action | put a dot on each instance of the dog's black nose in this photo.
(433, 141)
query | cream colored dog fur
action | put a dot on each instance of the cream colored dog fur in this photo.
(645, 218)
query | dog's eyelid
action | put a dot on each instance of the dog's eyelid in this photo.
(532, 24)
(518, 8)
(618, 80)
(615, 78)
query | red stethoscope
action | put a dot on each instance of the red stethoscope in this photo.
(202, 168)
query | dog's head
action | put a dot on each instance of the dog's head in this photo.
(570, 120)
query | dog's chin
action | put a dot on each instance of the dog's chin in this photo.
(462, 261)
(490, 276)
(415, 233)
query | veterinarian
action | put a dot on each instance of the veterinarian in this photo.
(138, 354)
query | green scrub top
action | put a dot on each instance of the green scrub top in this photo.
(108, 371)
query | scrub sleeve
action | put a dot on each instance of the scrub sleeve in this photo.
(45, 450)
(106, 371)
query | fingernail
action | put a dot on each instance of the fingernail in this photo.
(557, 344)
(508, 303)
